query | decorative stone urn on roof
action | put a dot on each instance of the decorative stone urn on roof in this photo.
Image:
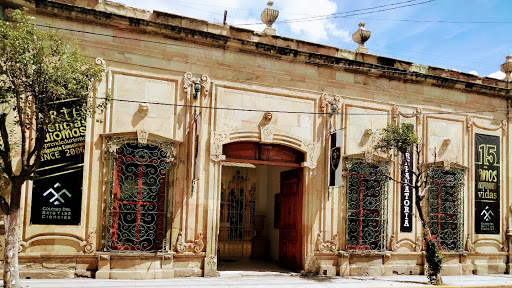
(507, 68)
(269, 16)
(360, 37)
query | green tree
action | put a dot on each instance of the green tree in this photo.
(37, 69)
(401, 141)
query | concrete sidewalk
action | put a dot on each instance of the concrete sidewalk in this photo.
(248, 279)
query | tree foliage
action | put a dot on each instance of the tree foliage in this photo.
(401, 138)
(37, 70)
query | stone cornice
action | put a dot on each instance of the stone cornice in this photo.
(247, 41)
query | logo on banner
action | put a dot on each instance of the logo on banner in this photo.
(335, 157)
(487, 214)
(56, 196)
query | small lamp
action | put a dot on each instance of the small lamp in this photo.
(197, 89)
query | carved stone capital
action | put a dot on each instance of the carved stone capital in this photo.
(331, 245)
(196, 246)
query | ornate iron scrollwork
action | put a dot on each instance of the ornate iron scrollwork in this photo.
(366, 204)
(446, 206)
(137, 201)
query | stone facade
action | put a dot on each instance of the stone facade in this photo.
(190, 87)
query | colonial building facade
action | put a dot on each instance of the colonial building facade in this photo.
(224, 143)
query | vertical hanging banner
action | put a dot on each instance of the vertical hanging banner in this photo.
(57, 190)
(487, 184)
(335, 176)
(406, 199)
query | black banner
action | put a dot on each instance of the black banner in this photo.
(57, 190)
(406, 198)
(335, 177)
(487, 184)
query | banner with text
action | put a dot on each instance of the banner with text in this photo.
(406, 218)
(57, 191)
(487, 184)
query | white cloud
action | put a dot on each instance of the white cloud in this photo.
(309, 30)
(497, 75)
(473, 72)
(342, 34)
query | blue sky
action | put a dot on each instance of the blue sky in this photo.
(477, 43)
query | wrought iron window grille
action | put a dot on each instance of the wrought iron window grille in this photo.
(367, 187)
(137, 203)
(446, 206)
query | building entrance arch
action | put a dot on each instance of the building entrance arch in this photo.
(261, 204)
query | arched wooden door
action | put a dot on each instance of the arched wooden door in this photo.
(290, 198)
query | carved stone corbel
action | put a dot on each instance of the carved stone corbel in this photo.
(326, 101)
(470, 247)
(311, 154)
(393, 244)
(197, 245)
(469, 122)
(189, 82)
(418, 245)
(504, 126)
(217, 139)
(395, 112)
(419, 113)
(331, 245)
(90, 243)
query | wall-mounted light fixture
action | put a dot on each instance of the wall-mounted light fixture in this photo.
(197, 89)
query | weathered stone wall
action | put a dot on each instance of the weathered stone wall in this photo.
(147, 64)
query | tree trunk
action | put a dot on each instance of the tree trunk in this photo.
(11, 273)
(12, 226)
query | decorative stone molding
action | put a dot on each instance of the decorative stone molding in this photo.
(100, 61)
(470, 247)
(267, 133)
(90, 243)
(331, 245)
(211, 262)
(393, 245)
(326, 101)
(112, 143)
(311, 154)
(418, 245)
(395, 112)
(197, 245)
(142, 136)
(190, 82)
(267, 117)
(469, 122)
(217, 139)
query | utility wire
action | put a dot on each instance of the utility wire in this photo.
(398, 71)
(340, 15)
(300, 112)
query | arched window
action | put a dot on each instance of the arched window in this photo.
(137, 202)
